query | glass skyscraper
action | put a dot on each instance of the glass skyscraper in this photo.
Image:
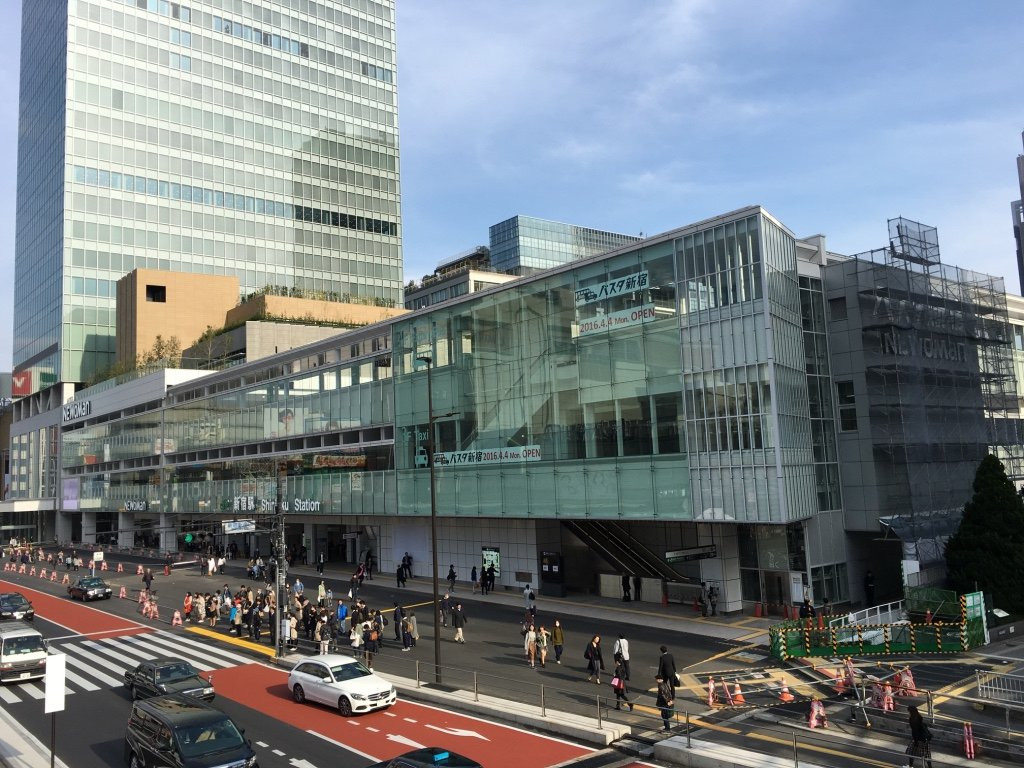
(256, 139)
(524, 245)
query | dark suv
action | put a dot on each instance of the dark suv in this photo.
(184, 732)
(14, 605)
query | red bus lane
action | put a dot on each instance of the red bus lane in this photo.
(405, 726)
(75, 617)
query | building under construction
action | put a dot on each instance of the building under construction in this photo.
(923, 370)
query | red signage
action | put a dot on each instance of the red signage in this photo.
(21, 383)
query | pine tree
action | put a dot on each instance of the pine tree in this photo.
(987, 550)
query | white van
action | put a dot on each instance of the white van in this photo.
(22, 653)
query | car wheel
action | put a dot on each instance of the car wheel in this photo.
(345, 706)
(132, 693)
(298, 694)
(135, 762)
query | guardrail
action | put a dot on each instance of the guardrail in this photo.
(1000, 688)
(887, 613)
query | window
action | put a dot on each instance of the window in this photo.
(156, 293)
(837, 308)
(847, 406)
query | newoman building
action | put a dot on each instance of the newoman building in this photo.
(696, 406)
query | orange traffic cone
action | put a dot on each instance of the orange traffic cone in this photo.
(53, 575)
(840, 686)
(32, 571)
(123, 594)
(737, 696)
(784, 695)
(821, 622)
(120, 567)
(757, 610)
(42, 573)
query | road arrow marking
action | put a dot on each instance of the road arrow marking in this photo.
(408, 742)
(458, 732)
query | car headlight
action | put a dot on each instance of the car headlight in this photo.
(162, 688)
(392, 691)
(207, 691)
(251, 762)
(358, 697)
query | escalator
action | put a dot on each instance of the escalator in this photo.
(622, 551)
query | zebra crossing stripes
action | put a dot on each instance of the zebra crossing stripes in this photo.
(94, 665)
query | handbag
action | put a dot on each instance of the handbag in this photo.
(616, 682)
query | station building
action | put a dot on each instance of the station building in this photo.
(724, 402)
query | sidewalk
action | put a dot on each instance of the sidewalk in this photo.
(673, 617)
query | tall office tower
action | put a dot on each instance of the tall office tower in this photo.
(524, 245)
(255, 139)
(1017, 211)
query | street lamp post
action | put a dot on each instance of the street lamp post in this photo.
(433, 514)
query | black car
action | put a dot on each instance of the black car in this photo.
(184, 732)
(428, 757)
(14, 605)
(160, 676)
(90, 588)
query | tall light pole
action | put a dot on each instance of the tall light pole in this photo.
(433, 514)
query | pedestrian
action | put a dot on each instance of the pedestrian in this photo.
(414, 627)
(491, 574)
(293, 631)
(558, 640)
(321, 594)
(341, 614)
(667, 669)
(255, 623)
(472, 578)
(355, 637)
(543, 637)
(703, 599)
(298, 587)
(147, 578)
(212, 609)
(666, 701)
(625, 588)
(620, 653)
(446, 609)
(451, 577)
(530, 645)
(921, 737)
(531, 600)
(400, 576)
(526, 596)
(869, 588)
(408, 568)
(187, 606)
(321, 634)
(321, 559)
(637, 586)
(406, 634)
(371, 641)
(459, 621)
(398, 616)
(619, 686)
(713, 599)
(595, 661)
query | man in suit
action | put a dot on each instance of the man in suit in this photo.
(667, 668)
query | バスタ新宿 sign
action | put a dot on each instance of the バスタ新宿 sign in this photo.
(488, 456)
(608, 290)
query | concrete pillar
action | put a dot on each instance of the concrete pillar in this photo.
(126, 529)
(167, 532)
(62, 526)
(88, 527)
(308, 542)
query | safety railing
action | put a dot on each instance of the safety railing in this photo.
(1000, 688)
(805, 637)
(888, 613)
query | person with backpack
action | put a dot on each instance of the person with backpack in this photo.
(595, 661)
(371, 643)
(451, 577)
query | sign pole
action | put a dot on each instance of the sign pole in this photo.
(53, 738)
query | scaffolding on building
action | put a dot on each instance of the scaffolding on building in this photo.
(940, 382)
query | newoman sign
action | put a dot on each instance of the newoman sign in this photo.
(489, 456)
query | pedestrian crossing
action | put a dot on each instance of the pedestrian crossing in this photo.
(94, 665)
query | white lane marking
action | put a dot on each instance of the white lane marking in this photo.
(391, 714)
(32, 690)
(278, 752)
(262, 744)
(457, 732)
(73, 651)
(7, 696)
(371, 729)
(353, 750)
(408, 720)
(78, 680)
(123, 653)
(214, 652)
(155, 650)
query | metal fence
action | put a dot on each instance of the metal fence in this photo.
(1000, 688)
(795, 639)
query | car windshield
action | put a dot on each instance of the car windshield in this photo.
(344, 672)
(210, 737)
(174, 672)
(91, 582)
(27, 644)
(15, 602)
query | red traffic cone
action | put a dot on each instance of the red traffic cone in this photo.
(784, 695)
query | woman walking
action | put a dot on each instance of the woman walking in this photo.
(542, 645)
(920, 746)
(530, 645)
(558, 640)
(619, 685)
(595, 662)
(665, 702)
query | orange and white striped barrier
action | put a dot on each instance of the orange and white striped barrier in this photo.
(727, 697)
(139, 571)
(888, 703)
(817, 717)
(103, 566)
(143, 599)
(120, 567)
(784, 695)
(21, 568)
(7, 567)
(123, 594)
(42, 573)
(53, 575)
(65, 580)
(154, 610)
(176, 621)
(968, 741)
(32, 571)
(712, 696)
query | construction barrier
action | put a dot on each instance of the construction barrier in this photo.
(123, 594)
(817, 718)
(139, 571)
(42, 573)
(32, 571)
(968, 741)
(120, 567)
(65, 580)
(103, 566)
(53, 575)
(796, 639)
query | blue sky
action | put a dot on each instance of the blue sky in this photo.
(645, 116)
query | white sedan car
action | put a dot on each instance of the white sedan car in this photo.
(340, 681)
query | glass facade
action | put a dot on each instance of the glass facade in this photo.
(249, 139)
(524, 245)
